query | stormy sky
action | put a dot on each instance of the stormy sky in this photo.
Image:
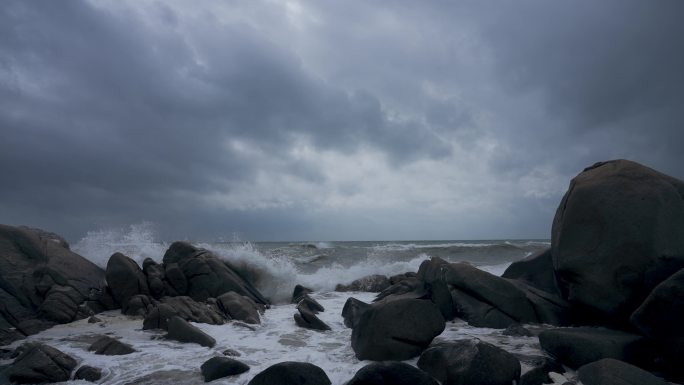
(328, 120)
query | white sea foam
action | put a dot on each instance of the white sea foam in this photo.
(277, 339)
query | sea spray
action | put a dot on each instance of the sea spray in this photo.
(137, 242)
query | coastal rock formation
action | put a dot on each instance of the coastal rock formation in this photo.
(219, 367)
(391, 373)
(352, 311)
(39, 363)
(617, 232)
(609, 371)
(42, 282)
(465, 362)
(396, 329)
(311, 304)
(575, 347)
(299, 292)
(291, 373)
(154, 273)
(206, 275)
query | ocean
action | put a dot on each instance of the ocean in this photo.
(275, 268)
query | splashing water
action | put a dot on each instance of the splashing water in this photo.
(137, 242)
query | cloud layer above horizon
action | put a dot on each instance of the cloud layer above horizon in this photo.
(328, 120)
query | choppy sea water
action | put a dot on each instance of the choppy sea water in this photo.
(277, 268)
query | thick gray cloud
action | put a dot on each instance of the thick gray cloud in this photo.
(327, 120)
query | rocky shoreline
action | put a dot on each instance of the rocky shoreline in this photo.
(612, 285)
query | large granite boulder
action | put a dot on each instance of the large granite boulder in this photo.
(291, 373)
(35, 268)
(610, 371)
(207, 276)
(391, 373)
(352, 311)
(617, 234)
(194, 311)
(465, 362)
(125, 278)
(575, 347)
(39, 363)
(154, 273)
(396, 329)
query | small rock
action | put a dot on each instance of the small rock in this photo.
(517, 330)
(299, 292)
(231, 353)
(307, 319)
(88, 373)
(93, 320)
(291, 373)
(391, 373)
(219, 367)
(372, 283)
(311, 304)
(109, 346)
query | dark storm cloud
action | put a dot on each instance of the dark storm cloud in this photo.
(115, 113)
(105, 116)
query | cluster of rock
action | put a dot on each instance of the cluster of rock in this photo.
(613, 273)
(613, 279)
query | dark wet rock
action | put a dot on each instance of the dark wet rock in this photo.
(550, 308)
(208, 276)
(219, 367)
(194, 311)
(109, 346)
(400, 277)
(478, 313)
(291, 373)
(154, 273)
(465, 362)
(39, 363)
(34, 268)
(661, 316)
(138, 305)
(617, 232)
(182, 331)
(299, 292)
(239, 307)
(308, 319)
(352, 311)
(441, 296)
(372, 283)
(535, 270)
(48, 236)
(88, 373)
(125, 278)
(614, 372)
(175, 282)
(93, 320)
(311, 304)
(61, 304)
(396, 330)
(539, 374)
(231, 353)
(391, 373)
(517, 330)
(575, 347)
(495, 291)
(158, 316)
(411, 287)
(106, 299)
